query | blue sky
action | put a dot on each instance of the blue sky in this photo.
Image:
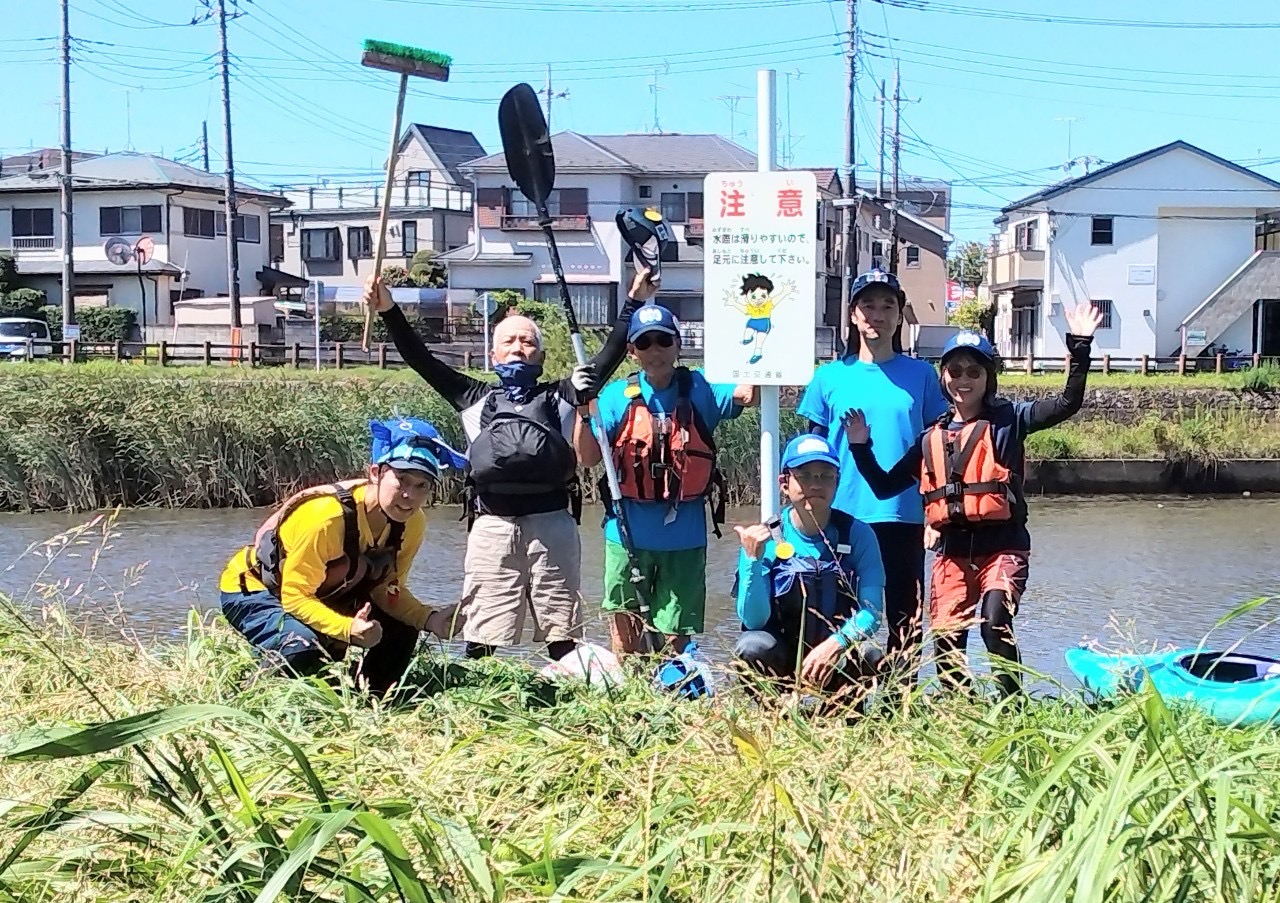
(995, 80)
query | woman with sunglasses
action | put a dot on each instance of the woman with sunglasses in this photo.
(660, 423)
(971, 464)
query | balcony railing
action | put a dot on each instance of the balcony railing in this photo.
(529, 223)
(1019, 266)
(34, 243)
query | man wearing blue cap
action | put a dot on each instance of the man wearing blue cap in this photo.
(660, 424)
(327, 570)
(810, 587)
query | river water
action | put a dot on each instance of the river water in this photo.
(1131, 572)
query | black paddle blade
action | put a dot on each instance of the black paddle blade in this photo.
(526, 144)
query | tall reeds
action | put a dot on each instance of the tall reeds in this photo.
(95, 436)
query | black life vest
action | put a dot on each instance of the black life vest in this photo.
(357, 572)
(520, 452)
(821, 593)
(521, 448)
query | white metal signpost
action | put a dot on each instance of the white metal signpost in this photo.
(760, 284)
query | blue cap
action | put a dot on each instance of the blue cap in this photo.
(875, 277)
(808, 447)
(969, 341)
(410, 444)
(652, 318)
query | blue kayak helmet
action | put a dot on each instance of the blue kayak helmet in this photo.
(412, 444)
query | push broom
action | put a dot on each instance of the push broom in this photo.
(406, 61)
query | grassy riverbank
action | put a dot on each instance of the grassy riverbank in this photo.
(98, 435)
(490, 785)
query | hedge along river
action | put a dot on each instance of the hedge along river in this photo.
(1123, 571)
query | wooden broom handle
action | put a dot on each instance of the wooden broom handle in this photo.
(381, 253)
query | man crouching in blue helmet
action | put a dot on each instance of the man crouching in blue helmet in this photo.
(327, 570)
(810, 584)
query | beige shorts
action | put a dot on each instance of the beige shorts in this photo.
(517, 564)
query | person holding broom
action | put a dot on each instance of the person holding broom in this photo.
(523, 494)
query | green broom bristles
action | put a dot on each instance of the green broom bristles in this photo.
(409, 53)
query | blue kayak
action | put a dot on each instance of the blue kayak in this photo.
(1231, 687)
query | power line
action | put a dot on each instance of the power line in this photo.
(1098, 82)
(592, 6)
(1113, 70)
(934, 6)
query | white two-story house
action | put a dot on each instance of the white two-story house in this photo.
(129, 196)
(595, 176)
(1174, 245)
(329, 231)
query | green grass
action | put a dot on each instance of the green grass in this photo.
(199, 780)
(1263, 379)
(1201, 435)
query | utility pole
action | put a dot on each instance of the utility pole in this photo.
(229, 197)
(897, 154)
(883, 98)
(897, 149)
(204, 143)
(849, 249)
(68, 232)
(550, 95)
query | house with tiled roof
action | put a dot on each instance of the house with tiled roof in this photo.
(120, 199)
(329, 231)
(595, 176)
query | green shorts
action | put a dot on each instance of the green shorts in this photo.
(676, 584)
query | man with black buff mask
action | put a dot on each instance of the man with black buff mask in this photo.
(524, 499)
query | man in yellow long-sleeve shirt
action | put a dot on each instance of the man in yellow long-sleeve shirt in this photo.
(328, 569)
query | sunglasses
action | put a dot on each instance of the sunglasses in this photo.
(663, 340)
(972, 371)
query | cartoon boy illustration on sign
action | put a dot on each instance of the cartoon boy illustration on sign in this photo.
(757, 300)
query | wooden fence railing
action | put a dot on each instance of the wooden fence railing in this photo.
(340, 355)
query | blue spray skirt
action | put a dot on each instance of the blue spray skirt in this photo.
(1232, 688)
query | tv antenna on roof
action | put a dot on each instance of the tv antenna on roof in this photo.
(654, 89)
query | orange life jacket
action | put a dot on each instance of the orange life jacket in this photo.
(668, 459)
(961, 480)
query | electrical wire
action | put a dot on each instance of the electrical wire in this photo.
(935, 6)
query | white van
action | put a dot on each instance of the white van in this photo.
(14, 332)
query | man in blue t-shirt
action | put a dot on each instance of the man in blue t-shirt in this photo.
(810, 584)
(899, 395)
(659, 424)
